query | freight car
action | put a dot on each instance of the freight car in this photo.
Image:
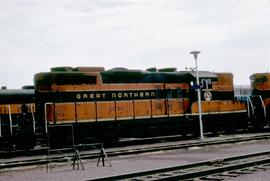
(17, 118)
(92, 102)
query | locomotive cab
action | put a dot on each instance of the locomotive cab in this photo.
(218, 103)
(260, 93)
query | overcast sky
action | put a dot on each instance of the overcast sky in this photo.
(233, 35)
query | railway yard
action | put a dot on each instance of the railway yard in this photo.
(88, 123)
(134, 90)
(242, 156)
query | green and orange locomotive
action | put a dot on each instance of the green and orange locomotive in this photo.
(115, 103)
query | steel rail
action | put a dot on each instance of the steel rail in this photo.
(93, 154)
(198, 169)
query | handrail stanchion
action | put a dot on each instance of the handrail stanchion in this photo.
(33, 118)
(46, 131)
(264, 109)
(248, 109)
(251, 104)
(10, 119)
(46, 118)
(0, 126)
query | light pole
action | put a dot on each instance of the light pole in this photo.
(195, 54)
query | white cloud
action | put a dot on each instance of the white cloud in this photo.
(136, 34)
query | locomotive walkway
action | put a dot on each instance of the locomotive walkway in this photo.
(138, 162)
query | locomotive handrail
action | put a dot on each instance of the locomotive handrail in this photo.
(248, 109)
(0, 126)
(46, 119)
(252, 106)
(10, 119)
(33, 117)
(264, 109)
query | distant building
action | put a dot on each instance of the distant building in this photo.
(242, 90)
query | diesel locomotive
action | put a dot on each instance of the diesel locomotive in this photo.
(17, 118)
(83, 104)
(260, 93)
(110, 104)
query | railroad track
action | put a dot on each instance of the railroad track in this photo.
(216, 169)
(60, 156)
